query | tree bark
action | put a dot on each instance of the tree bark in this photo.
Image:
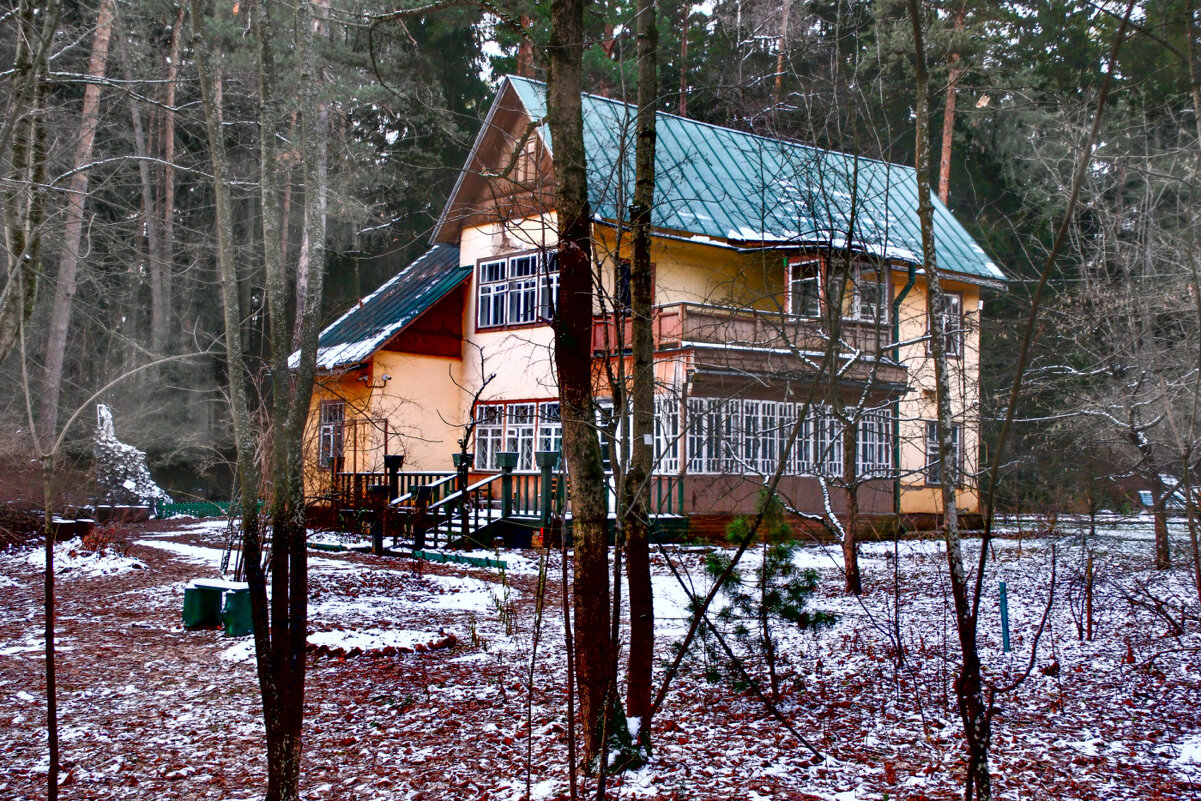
(974, 708)
(637, 522)
(48, 608)
(23, 132)
(948, 115)
(150, 222)
(64, 291)
(163, 285)
(573, 332)
(244, 436)
(685, 8)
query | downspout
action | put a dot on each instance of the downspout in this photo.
(896, 416)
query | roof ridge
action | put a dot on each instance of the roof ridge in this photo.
(715, 126)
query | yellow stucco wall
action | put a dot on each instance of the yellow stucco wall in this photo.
(918, 405)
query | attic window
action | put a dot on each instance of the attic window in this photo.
(521, 289)
(525, 169)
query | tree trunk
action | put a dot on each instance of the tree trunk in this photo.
(162, 287)
(48, 607)
(685, 8)
(23, 132)
(974, 710)
(64, 291)
(948, 115)
(573, 333)
(150, 227)
(244, 435)
(637, 522)
(781, 44)
(850, 537)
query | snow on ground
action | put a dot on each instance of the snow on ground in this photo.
(72, 559)
(152, 711)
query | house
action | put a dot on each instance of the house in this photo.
(790, 325)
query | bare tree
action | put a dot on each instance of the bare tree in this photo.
(77, 193)
(280, 629)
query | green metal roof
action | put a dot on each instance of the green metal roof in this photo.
(753, 191)
(360, 332)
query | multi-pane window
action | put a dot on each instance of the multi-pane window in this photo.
(329, 433)
(517, 290)
(550, 427)
(875, 444)
(667, 436)
(827, 443)
(804, 288)
(520, 427)
(933, 473)
(800, 458)
(869, 297)
(951, 312)
(752, 445)
(705, 428)
(548, 299)
(489, 434)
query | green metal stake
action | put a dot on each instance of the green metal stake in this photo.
(1004, 618)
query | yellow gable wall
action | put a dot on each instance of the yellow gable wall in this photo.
(521, 359)
(918, 405)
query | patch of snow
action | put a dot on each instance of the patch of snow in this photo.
(193, 553)
(71, 559)
(121, 469)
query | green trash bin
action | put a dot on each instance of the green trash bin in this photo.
(236, 613)
(201, 606)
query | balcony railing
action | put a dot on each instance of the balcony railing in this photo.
(684, 324)
(756, 341)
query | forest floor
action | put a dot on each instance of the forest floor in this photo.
(150, 711)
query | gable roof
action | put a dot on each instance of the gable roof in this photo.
(360, 332)
(749, 191)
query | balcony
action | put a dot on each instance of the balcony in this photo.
(757, 342)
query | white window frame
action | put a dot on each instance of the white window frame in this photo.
(519, 289)
(933, 479)
(521, 426)
(875, 442)
(550, 427)
(489, 434)
(953, 324)
(863, 307)
(331, 424)
(806, 280)
(827, 443)
(667, 435)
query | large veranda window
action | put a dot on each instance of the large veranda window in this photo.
(751, 437)
(520, 428)
(521, 289)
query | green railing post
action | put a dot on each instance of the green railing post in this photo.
(463, 463)
(546, 463)
(506, 460)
